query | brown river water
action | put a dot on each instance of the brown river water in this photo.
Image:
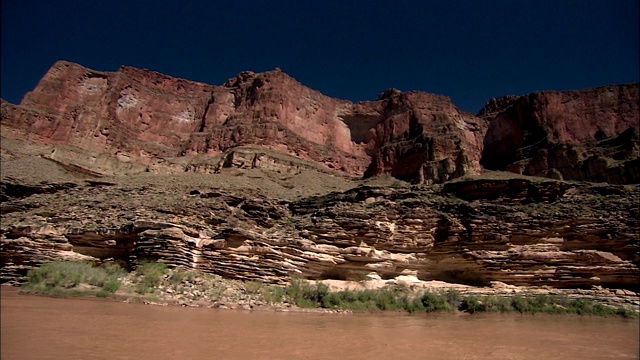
(35, 327)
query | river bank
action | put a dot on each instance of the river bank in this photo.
(155, 284)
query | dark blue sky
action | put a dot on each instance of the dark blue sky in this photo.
(468, 50)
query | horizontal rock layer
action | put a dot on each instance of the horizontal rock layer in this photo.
(554, 233)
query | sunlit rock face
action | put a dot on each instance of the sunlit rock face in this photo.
(136, 120)
(589, 134)
(431, 142)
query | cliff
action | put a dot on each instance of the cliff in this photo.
(137, 120)
(589, 135)
(261, 178)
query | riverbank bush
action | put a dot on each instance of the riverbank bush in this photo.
(154, 282)
(307, 295)
(150, 275)
(62, 277)
(549, 304)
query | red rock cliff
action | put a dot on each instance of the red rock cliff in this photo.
(147, 121)
(587, 134)
(143, 116)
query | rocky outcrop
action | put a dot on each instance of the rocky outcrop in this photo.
(473, 232)
(425, 139)
(135, 120)
(587, 134)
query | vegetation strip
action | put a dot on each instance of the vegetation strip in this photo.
(154, 282)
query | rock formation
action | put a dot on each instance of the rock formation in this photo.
(136, 165)
(587, 135)
(423, 138)
(516, 231)
(137, 120)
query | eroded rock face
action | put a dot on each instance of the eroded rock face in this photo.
(559, 234)
(425, 139)
(589, 134)
(136, 120)
(507, 229)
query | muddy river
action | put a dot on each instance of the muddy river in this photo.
(36, 327)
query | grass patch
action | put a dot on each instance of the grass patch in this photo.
(151, 279)
(150, 275)
(273, 294)
(178, 276)
(304, 294)
(64, 277)
(308, 295)
(549, 304)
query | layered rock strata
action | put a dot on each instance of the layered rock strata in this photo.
(262, 142)
(557, 234)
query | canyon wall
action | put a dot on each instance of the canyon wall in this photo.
(136, 120)
(589, 135)
(516, 231)
(98, 159)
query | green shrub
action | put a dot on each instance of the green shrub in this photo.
(521, 304)
(583, 306)
(142, 289)
(413, 304)
(305, 295)
(541, 304)
(150, 275)
(68, 274)
(434, 302)
(620, 311)
(387, 300)
(111, 285)
(113, 269)
(472, 305)
(454, 299)
(63, 278)
(273, 294)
